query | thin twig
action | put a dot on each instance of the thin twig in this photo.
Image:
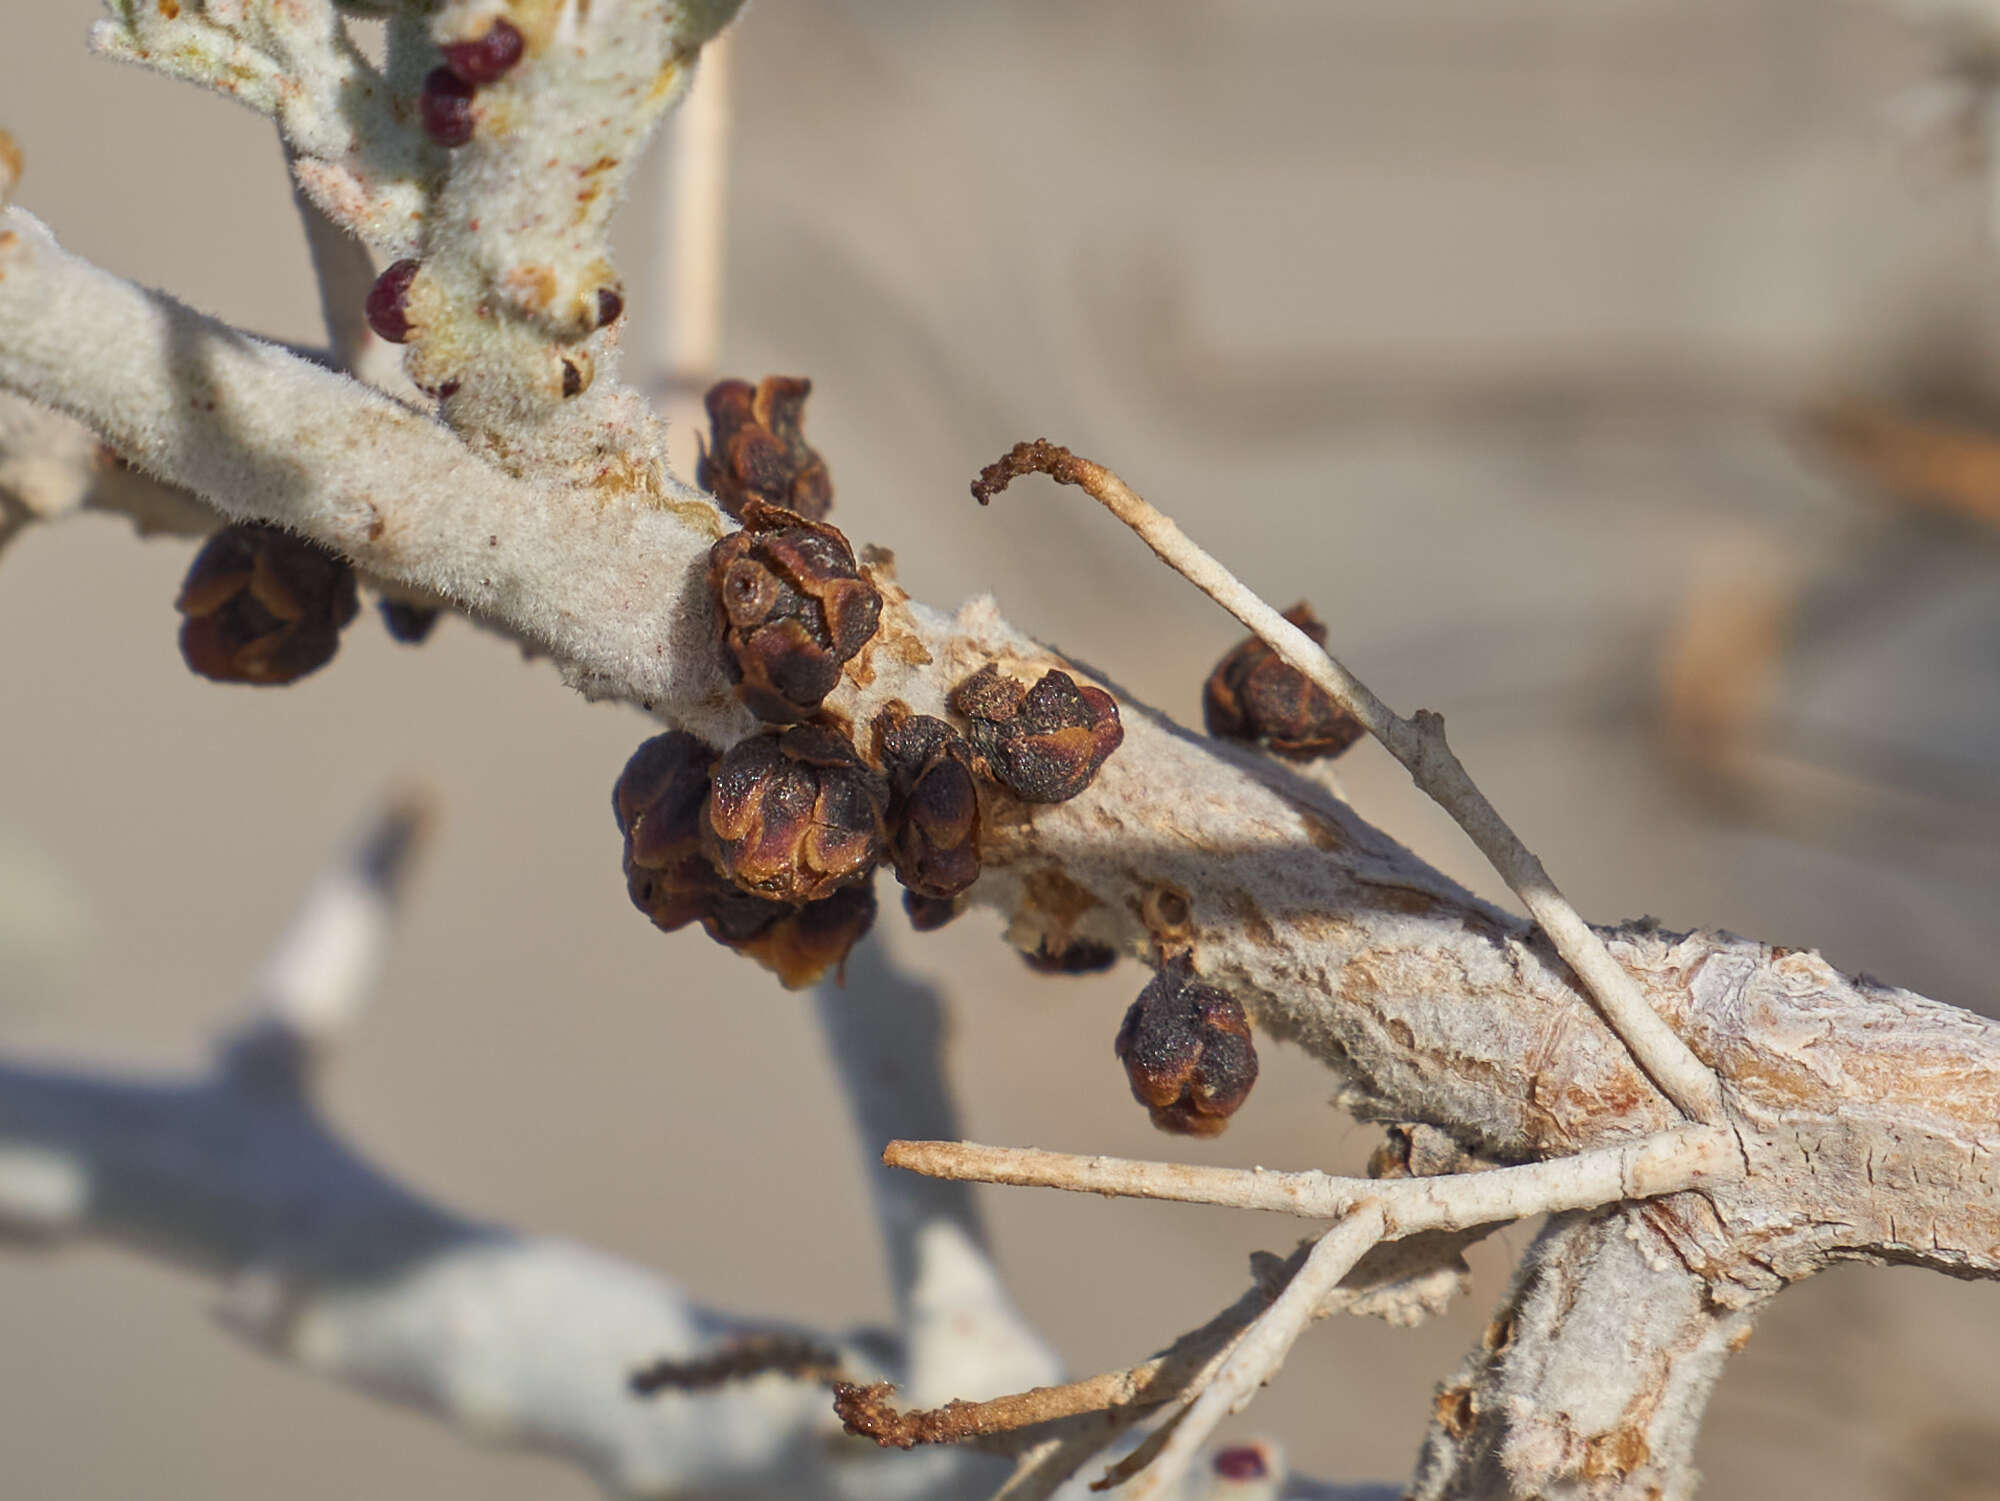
(753, 1355)
(1419, 744)
(1667, 1163)
(1262, 1350)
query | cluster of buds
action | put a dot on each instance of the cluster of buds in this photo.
(758, 451)
(263, 606)
(1187, 1051)
(1254, 695)
(1043, 743)
(445, 103)
(663, 804)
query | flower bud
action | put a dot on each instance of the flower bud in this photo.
(1044, 744)
(263, 606)
(757, 448)
(934, 807)
(1254, 695)
(1187, 1051)
(794, 815)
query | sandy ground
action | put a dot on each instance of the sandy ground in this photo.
(1480, 324)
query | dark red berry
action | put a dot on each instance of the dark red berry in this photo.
(610, 304)
(388, 302)
(446, 107)
(488, 58)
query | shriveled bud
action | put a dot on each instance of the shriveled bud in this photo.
(1187, 1051)
(794, 609)
(811, 939)
(794, 815)
(1253, 695)
(929, 913)
(934, 806)
(408, 623)
(757, 448)
(1044, 744)
(659, 802)
(1079, 956)
(263, 606)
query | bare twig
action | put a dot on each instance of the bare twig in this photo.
(1662, 1164)
(790, 1355)
(1262, 1350)
(1419, 744)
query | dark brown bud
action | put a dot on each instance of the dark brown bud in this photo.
(487, 58)
(1043, 744)
(757, 448)
(263, 606)
(1253, 695)
(794, 815)
(659, 802)
(934, 803)
(929, 913)
(610, 305)
(407, 623)
(811, 939)
(1187, 1051)
(1080, 956)
(794, 609)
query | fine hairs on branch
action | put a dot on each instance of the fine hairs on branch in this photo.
(1705, 1119)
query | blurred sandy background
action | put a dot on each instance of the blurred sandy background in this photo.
(1480, 323)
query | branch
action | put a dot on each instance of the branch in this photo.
(1420, 746)
(334, 1265)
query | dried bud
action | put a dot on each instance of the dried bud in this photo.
(263, 606)
(445, 106)
(758, 450)
(929, 913)
(1045, 743)
(794, 609)
(659, 801)
(794, 815)
(1080, 956)
(934, 808)
(487, 58)
(811, 939)
(407, 623)
(1187, 1051)
(1253, 695)
(388, 304)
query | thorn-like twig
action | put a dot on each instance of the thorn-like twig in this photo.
(1263, 1348)
(753, 1355)
(1419, 744)
(1667, 1163)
